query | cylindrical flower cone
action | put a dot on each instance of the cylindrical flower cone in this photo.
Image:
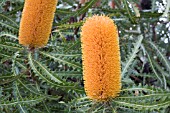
(101, 58)
(36, 22)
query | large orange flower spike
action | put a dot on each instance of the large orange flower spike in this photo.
(101, 58)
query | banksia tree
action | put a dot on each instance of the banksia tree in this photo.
(36, 22)
(101, 58)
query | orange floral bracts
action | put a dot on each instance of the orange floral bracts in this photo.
(36, 22)
(101, 58)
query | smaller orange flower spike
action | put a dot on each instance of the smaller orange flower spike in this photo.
(36, 22)
(101, 58)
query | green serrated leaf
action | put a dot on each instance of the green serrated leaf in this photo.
(132, 55)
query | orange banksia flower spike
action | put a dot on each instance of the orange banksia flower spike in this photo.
(101, 58)
(36, 22)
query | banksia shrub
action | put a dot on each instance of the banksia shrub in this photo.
(36, 22)
(101, 58)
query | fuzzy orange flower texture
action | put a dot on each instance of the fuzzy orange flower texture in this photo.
(101, 58)
(36, 22)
